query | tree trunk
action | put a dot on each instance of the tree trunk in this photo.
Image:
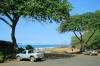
(13, 37)
(82, 47)
(81, 41)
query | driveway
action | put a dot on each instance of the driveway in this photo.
(81, 60)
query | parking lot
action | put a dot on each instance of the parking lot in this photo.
(81, 60)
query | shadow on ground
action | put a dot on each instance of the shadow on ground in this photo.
(58, 56)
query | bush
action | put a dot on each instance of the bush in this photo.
(1, 57)
(29, 47)
(7, 49)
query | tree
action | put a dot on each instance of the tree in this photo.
(52, 10)
(78, 23)
(29, 47)
(94, 42)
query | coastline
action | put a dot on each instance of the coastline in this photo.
(43, 46)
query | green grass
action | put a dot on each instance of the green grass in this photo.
(56, 52)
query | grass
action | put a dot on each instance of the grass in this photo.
(56, 52)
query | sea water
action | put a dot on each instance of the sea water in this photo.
(42, 46)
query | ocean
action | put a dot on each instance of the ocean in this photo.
(42, 46)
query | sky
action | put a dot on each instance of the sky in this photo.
(34, 32)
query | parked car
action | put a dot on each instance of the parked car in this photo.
(29, 54)
(90, 52)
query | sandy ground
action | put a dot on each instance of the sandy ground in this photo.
(60, 49)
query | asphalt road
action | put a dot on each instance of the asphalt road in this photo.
(71, 61)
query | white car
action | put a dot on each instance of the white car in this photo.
(90, 52)
(29, 54)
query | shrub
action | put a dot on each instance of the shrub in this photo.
(1, 57)
(29, 47)
(7, 49)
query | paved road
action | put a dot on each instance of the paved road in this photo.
(72, 61)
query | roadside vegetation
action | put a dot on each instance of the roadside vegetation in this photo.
(94, 42)
(6, 51)
(1, 57)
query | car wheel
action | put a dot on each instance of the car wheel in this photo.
(31, 59)
(18, 58)
(90, 54)
(96, 54)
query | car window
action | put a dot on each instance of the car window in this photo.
(30, 51)
(24, 52)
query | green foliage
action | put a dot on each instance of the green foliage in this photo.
(1, 57)
(94, 42)
(75, 43)
(29, 47)
(56, 52)
(87, 21)
(7, 49)
(38, 9)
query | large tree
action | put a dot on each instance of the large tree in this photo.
(94, 42)
(78, 23)
(52, 10)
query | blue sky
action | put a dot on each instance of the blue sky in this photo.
(34, 32)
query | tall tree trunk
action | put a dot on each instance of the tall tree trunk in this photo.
(14, 23)
(13, 37)
(81, 41)
(82, 46)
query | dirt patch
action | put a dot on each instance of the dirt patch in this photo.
(60, 49)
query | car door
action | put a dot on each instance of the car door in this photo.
(29, 53)
(23, 55)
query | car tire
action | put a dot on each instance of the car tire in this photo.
(32, 59)
(90, 54)
(18, 58)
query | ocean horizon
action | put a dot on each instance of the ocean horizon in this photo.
(43, 46)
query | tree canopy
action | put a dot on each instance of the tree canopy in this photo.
(89, 21)
(38, 9)
(51, 10)
(83, 22)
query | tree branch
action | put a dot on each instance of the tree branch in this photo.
(76, 35)
(5, 21)
(81, 36)
(90, 37)
(8, 16)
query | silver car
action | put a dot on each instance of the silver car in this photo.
(29, 54)
(90, 52)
